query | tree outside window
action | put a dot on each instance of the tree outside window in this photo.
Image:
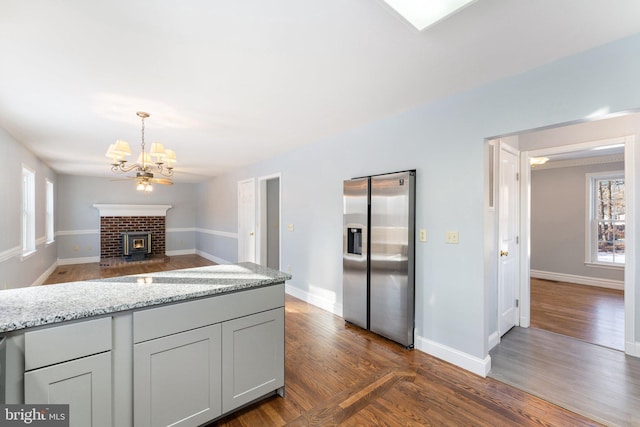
(608, 219)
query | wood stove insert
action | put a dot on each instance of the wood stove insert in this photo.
(136, 246)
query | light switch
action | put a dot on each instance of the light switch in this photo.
(422, 235)
(452, 237)
(290, 227)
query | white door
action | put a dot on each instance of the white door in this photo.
(508, 259)
(246, 221)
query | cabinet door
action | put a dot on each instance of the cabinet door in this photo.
(176, 379)
(84, 384)
(252, 357)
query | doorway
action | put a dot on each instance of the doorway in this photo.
(269, 214)
(551, 145)
(577, 241)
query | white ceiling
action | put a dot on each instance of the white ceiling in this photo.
(231, 82)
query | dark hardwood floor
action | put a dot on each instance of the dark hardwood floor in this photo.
(341, 375)
(77, 272)
(589, 313)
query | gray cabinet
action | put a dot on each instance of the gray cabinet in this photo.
(252, 357)
(71, 364)
(84, 384)
(196, 361)
(183, 364)
(176, 379)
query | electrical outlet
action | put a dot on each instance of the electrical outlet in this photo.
(452, 237)
(422, 236)
(289, 269)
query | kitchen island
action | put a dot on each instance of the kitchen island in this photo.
(180, 347)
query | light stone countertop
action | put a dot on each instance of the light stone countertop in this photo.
(42, 305)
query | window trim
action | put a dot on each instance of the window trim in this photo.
(590, 243)
(28, 212)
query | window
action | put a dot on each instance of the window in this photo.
(606, 219)
(28, 211)
(49, 214)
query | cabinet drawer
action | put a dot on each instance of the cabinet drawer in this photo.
(179, 317)
(62, 343)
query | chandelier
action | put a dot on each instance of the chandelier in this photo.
(157, 161)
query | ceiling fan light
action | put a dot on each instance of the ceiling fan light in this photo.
(156, 160)
(122, 148)
(169, 156)
(157, 152)
(147, 159)
(111, 153)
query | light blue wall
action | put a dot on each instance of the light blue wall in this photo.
(444, 142)
(79, 222)
(16, 272)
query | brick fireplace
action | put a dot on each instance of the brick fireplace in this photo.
(118, 219)
(112, 227)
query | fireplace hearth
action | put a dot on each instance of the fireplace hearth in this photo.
(136, 246)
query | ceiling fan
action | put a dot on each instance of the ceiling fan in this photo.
(157, 159)
(145, 181)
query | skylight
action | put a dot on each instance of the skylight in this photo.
(423, 13)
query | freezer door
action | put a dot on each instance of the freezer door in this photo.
(354, 253)
(392, 244)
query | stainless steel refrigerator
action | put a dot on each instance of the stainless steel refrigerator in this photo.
(378, 256)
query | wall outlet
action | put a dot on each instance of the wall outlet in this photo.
(422, 235)
(289, 269)
(452, 237)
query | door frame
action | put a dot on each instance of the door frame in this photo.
(261, 228)
(630, 244)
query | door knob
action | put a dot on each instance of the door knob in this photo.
(251, 234)
(504, 253)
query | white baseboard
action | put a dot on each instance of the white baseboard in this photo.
(179, 252)
(494, 340)
(212, 257)
(632, 348)
(40, 280)
(84, 260)
(319, 302)
(448, 354)
(580, 280)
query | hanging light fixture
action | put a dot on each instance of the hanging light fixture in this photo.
(157, 161)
